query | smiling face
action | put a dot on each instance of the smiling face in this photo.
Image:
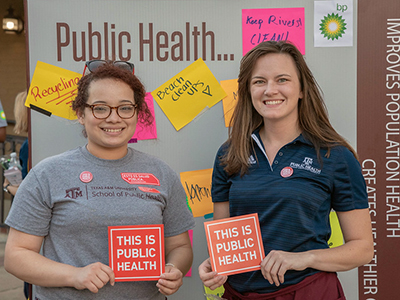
(275, 89)
(108, 138)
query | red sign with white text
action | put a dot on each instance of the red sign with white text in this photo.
(235, 244)
(136, 253)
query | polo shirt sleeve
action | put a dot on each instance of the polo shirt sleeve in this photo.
(349, 188)
(220, 180)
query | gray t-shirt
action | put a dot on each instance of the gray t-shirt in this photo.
(72, 198)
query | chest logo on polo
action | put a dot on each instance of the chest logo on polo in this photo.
(306, 165)
(252, 161)
(140, 178)
(73, 193)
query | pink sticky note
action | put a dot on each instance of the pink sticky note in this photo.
(189, 274)
(273, 24)
(146, 132)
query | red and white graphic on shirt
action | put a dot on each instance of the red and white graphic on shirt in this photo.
(148, 190)
(140, 178)
(286, 172)
(86, 176)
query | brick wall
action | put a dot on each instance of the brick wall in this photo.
(12, 61)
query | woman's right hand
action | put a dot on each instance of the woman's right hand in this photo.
(93, 277)
(210, 278)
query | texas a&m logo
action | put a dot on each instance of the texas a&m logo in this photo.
(73, 193)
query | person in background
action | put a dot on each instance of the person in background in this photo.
(62, 205)
(284, 161)
(3, 124)
(21, 126)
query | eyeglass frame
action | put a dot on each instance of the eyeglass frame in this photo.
(131, 65)
(91, 106)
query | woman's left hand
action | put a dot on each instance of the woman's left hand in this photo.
(276, 263)
(170, 281)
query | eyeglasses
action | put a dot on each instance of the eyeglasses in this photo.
(92, 65)
(103, 111)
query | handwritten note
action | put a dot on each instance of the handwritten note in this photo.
(188, 93)
(273, 24)
(52, 90)
(197, 185)
(229, 102)
(143, 132)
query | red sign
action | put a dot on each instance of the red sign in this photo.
(235, 244)
(136, 253)
(140, 178)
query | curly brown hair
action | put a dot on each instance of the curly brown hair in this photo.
(109, 71)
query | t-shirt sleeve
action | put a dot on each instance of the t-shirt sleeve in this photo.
(30, 213)
(177, 216)
(349, 188)
(220, 180)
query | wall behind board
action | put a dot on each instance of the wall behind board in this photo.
(195, 145)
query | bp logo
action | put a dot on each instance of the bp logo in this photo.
(332, 26)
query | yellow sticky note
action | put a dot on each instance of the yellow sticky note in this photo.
(197, 185)
(214, 294)
(336, 238)
(52, 90)
(229, 102)
(188, 93)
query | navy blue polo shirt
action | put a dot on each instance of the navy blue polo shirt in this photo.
(293, 197)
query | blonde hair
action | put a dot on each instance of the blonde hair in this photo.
(20, 113)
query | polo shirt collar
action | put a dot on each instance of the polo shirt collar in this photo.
(256, 137)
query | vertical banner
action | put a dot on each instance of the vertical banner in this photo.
(378, 140)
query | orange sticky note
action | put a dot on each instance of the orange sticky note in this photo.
(229, 102)
(197, 185)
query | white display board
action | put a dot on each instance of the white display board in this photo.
(207, 28)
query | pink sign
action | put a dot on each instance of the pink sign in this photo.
(146, 132)
(190, 232)
(273, 24)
